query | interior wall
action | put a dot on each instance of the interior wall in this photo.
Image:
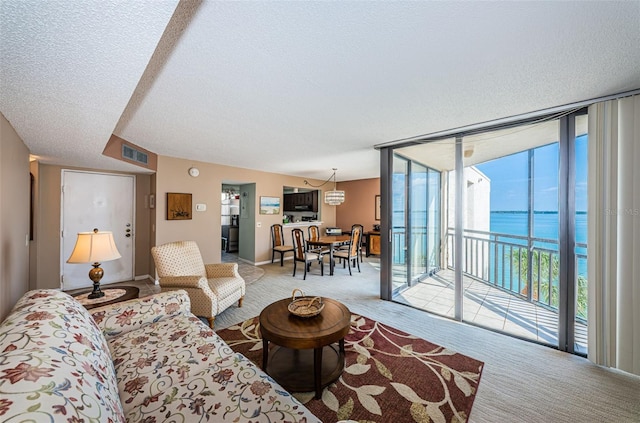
(359, 204)
(204, 227)
(15, 183)
(48, 223)
(247, 230)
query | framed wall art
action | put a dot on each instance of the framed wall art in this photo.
(269, 205)
(377, 208)
(178, 206)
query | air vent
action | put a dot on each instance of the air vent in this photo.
(134, 155)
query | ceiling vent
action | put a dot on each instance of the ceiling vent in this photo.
(132, 154)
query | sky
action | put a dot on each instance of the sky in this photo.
(509, 179)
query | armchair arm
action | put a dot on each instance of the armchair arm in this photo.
(184, 282)
(222, 270)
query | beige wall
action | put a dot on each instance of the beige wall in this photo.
(15, 190)
(359, 203)
(47, 237)
(204, 227)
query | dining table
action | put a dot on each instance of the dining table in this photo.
(332, 242)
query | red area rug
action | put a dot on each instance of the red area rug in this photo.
(389, 376)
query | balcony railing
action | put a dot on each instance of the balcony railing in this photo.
(526, 267)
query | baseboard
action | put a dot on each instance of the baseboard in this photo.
(260, 263)
(143, 277)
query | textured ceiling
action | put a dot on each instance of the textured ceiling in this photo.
(296, 87)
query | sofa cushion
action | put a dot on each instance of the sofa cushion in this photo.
(180, 369)
(55, 364)
(117, 319)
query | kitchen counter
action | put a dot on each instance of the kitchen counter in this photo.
(302, 224)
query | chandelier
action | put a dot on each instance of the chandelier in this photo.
(334, 197)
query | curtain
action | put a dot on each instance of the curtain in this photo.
(614, 234)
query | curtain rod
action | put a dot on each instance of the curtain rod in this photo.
(497, 123)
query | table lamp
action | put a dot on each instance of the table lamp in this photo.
(94, 247)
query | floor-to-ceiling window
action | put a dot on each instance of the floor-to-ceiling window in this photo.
(510, 197)
(399, 219)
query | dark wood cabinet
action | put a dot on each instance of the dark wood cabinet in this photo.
(373, 243)
(301, 201)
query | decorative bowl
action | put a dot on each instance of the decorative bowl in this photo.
(305, 306)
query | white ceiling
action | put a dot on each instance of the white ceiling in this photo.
(295, 87)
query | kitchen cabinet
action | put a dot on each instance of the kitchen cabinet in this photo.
(301, 201)
(373, 243)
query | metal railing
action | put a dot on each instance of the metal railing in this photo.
(526, 267)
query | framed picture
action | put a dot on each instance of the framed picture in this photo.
(178, 206)
(377, 208)
(269, 205)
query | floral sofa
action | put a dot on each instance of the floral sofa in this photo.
(145, 360)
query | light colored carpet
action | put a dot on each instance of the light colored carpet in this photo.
(521, 381)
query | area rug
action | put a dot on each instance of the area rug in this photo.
(389, 376)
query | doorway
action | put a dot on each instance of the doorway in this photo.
(230, 219)
(97, 200)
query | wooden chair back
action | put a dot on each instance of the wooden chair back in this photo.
(298, 244)
(276, 235)
(314, 233)
(354, 243)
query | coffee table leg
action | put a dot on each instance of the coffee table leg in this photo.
(317, 370)
(265, 353)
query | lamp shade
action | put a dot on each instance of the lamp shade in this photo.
(334, 197)
(94, 247)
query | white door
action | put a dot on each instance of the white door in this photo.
(97, 200)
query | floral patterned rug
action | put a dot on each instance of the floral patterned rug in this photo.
(389, 376)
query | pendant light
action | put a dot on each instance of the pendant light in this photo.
(334, 197)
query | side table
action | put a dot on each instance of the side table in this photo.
(303, 358)
(111, 296)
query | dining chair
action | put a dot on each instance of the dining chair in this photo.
(346, 246)
(301, 254)
(277, 243)
(314, 235)
(351, 255)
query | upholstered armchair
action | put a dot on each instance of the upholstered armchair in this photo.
(212, 288)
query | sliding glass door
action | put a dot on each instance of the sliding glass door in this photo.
(490, 228)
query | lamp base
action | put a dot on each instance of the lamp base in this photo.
(95, 275)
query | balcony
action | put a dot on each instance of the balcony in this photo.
(510, 285)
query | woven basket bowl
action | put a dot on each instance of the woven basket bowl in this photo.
(305, 306)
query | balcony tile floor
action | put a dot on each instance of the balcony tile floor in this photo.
(489, 307)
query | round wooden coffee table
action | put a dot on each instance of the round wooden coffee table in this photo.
(303, 358)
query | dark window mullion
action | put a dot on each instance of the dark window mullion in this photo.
(566, 226)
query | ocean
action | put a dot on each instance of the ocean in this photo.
(545, 226)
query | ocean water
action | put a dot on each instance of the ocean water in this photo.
(545, 224)
(545, 227)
